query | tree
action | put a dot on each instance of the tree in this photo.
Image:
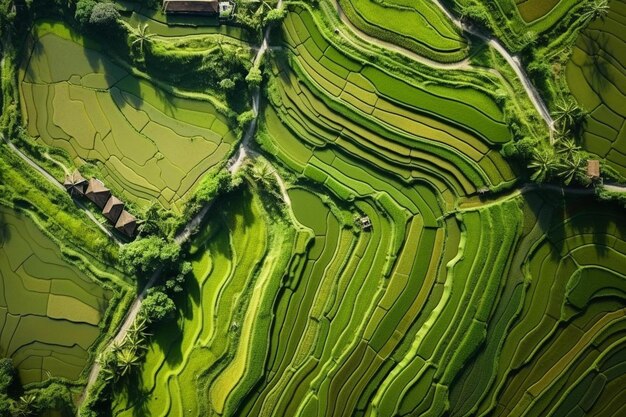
(245, 118)
(84, 8)
(569, 115)
(157, 307)
(142, 37)
(570, 168)
(274, 16)
(254, 77)
(127, 361)
(148, 254)
(596, 9)
(543, 164)
(566, 147)
(104, 14)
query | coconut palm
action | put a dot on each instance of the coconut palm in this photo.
(142, 37)
(263, 174)
(137, 332)
(26, 404)
(127, 360)
(566, 147)
(543, 164)
(570, 167)
(596, 9)
(568, 115)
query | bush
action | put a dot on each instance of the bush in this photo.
(104, 14)
(84, 8)
(254, 77)
(145, 256)
(157, 307)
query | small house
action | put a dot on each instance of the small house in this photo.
(75, 184)
(593, 169)
(97, 192)
(126, 223)
(192, 7)
(113, 209)
(365, 223)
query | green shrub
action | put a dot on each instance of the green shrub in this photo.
(157, 307)
(103, 15)
(84, 8)
(147, 255)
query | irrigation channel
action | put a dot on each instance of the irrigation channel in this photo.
(234, 164)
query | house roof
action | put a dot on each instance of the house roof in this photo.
(97, 192)
(126, 223)
(113, 209)
(191, 6)
(75, 183)
(593, 168)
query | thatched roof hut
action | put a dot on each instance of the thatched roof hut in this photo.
(75, 184)
(126, 223)
(113, 209)
(593, 169)
(195, 7)
(97, 192)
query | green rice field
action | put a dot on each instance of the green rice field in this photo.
(50, 310)
(420, 27)
(149, 144)
(379, 249)
(596, 77)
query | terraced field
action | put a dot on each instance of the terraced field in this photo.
(49, 310)
(213, 353)
(420, 27)
(596, 77)
(149, 144)
(390, 262)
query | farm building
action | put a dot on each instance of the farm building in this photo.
(75, 184)
(97, 192)
(593, 169)
(113, 209)
(126, 223)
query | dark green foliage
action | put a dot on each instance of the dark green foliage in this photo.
(254, 77)
(104, 14)
(145, 256)
(157, 221)
(522, 149)
(274, 16)
(176, 284)
(157, 307)
(84, 8)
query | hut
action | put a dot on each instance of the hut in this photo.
(113, 209)
(126, 223)
(593, 169)
(365, 223)
(75, 184)
(192, 7)
(97, 192)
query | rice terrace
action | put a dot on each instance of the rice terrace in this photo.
(313, 208)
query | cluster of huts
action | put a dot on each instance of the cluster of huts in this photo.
(111, 206)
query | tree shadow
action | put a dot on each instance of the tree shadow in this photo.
(138, 396)
(597, 64)
(5, 232)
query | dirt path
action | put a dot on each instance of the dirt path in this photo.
(464, 64)
(513, 61)
(53, 181)
(615, 188)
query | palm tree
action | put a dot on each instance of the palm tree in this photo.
(543, 163)
(127, 360)
(566, 147)
(568, 115)
(26, 404)
(142, 37)
(570, 167)
(137, 332)
(263, 174)
(596, 9)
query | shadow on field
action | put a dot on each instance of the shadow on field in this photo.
(5, 232)
(137, 396)
(595, 45)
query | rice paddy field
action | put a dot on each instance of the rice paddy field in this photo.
(596, 77)
(392, 262)
(420, 27)
(50, 311)
(149, 144)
